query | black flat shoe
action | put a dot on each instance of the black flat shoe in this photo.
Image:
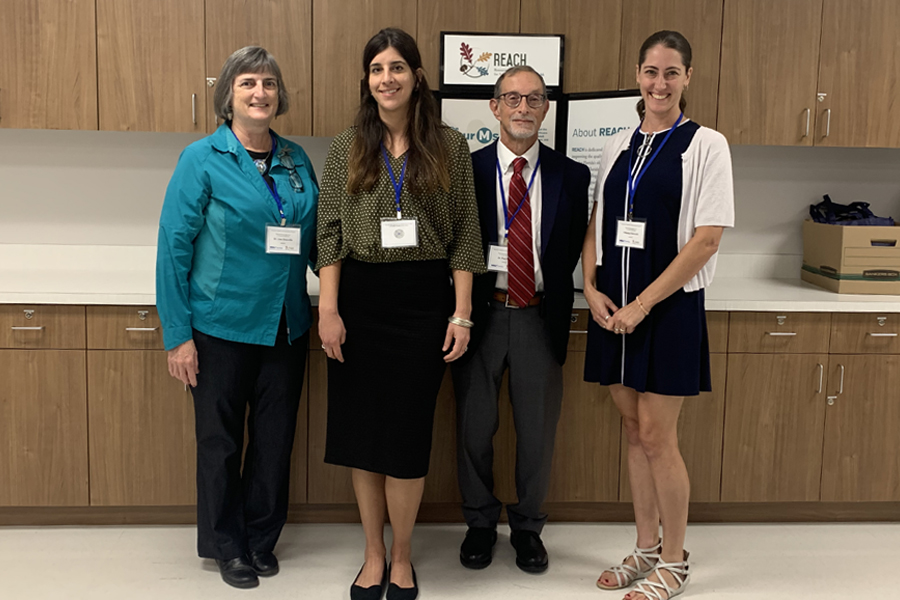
(264, 563)
(395, 592)
(477, 550)
(369, 593)
(531, 556)
(237, 572)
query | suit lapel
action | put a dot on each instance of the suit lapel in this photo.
(485, 171)
(551, 190)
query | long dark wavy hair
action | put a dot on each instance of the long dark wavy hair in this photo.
(668, 39)
(427, 168)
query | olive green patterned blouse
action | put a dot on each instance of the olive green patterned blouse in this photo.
(349, 225)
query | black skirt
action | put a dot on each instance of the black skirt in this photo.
(381, 399)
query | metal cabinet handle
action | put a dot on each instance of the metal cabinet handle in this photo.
(15, 328)
(579, 331)
(821, 377)
(808, 112)
(827, 122)
(781, 333)
(883, 334)
(841, 385)
(141, 328)
(194, 108)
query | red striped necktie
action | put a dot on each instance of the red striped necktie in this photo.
(521, 248)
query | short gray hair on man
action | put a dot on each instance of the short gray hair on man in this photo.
(512, 71)
(250, 59)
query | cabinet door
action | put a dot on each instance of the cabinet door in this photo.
(774, 422)
(299, 460)
(700, 427)
(327, 484)
(150, 58)
(284, 28)
(441, 484)
(48, 75)
(592, 39)
(767, 86)
(700, 21)
(499, 16)
(340, 32)
(43, 428)
(143, 450)
(858, 71)
(861, 461)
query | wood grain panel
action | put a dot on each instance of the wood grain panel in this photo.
(593, 36)
(859, 70)
(340, 32)
(48, 75)
(774, 422)
(717, 330)
(700, 21)
(499, 16)
(794, 333)
(770, 54)
(578, 330)
(143, 449)
(150, 61)
(867, 333)
(43, 428)
(284, 28)
(61, 327)
(441, 484)
(123, 328)
(299, 459)
(861, 460)
(700, 429)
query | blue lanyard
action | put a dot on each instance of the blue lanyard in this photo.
(398, 185)
(272, 189)
(634, 181)
(510, 219)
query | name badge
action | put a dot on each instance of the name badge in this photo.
(498, 258)
(399, 233)
(282, 240)
(630, 234)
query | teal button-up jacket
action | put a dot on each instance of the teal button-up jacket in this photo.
(212, 270)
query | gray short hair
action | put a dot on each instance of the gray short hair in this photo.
(250, 59)
(512, 71)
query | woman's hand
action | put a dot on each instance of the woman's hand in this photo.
(183, 364)
(626, 319)
(333, 334)
(459, 336)
(602, 308)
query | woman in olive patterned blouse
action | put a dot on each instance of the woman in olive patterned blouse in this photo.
(397, 216)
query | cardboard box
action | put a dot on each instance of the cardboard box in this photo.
(851, 259)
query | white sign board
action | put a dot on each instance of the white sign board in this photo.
(474, 119)
(592, 122)
(476, 59)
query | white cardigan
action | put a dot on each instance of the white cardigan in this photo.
(707, 193)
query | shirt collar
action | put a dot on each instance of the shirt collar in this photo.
(506, 156)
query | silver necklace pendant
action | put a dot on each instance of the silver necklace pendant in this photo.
(646, 147)
(260, 165)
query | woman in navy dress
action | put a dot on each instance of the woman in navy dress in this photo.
(663, 198)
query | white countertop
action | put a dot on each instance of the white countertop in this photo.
(124, 275)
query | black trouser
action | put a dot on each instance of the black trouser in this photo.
(239, 511)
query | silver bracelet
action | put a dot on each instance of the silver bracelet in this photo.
(461, 322)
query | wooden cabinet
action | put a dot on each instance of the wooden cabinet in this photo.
(124, 328)
(48, 75)
(41, 326)
(700, 21)
(43, 428)
(340, 32)
(327, 484)
(284, 28)
(790, 333)
(593, 33)
(150, 62)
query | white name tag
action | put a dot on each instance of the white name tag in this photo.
(630, 234)
(399, 233)
(282, 240)
(498, 258)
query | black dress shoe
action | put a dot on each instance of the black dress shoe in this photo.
(238, 572)
(264, 563)
(531, 556)
(371, 592)
(395, 592)
(477, 550)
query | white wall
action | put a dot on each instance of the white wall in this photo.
(77, 187)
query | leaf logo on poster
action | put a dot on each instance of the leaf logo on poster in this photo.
(469, 65)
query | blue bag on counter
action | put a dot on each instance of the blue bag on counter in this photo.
(856, 213)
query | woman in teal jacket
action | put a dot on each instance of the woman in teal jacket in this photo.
(236, 232)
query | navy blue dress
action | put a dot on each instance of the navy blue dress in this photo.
(668, 352)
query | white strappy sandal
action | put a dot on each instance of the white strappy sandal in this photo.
(645, 560)
(660, 590)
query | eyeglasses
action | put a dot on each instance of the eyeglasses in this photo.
(513, 99)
